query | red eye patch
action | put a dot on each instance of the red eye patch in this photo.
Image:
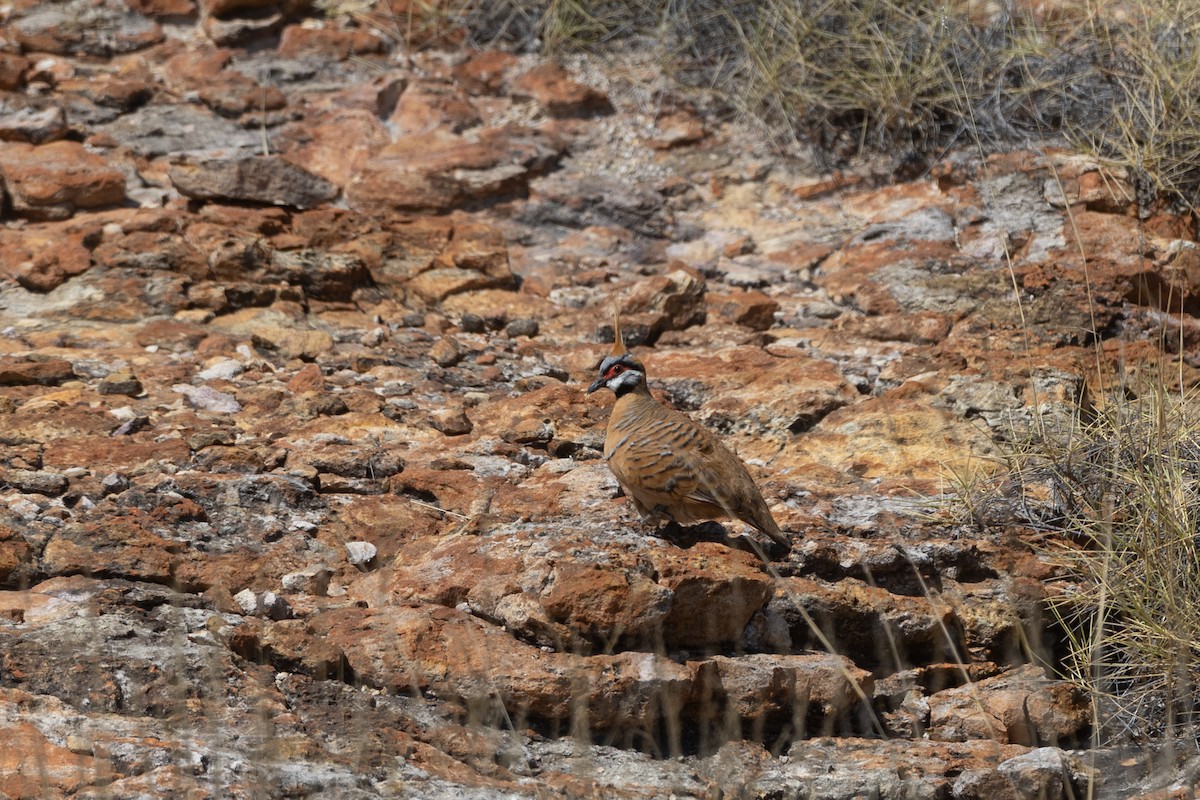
(614, 370)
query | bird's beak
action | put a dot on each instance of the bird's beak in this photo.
(596, 384)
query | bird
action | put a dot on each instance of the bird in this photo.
(668, 464)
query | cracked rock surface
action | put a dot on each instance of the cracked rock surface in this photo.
(301, 495)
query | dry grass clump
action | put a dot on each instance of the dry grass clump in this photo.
(1121, 485)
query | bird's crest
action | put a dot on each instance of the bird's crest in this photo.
(618, 342)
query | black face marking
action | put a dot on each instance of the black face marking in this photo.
(622, 374)
(626, 361)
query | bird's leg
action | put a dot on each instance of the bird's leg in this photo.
(670, 529)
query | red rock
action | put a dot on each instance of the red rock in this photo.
(485, 72)
(868, 621)
(753, 309)
(425, 107)
(163, 8)
(760, 689)
(1021, 706)
(748, 385)
(12, 71)
(43, 257)
(126, 545)
(676, 129)
(598, 604)
(678, 297)
(236, 95)
(31, 765)
(15, 555)
(51, 181)
(475, 258)
(307, 379)
(34, 371)
(437, 172)
(24, 119)
(559, 94)
(421, 648)
(112, 453)
(715, 591)
(328, 43)
(109, 91)
(926, 327)
(57, 30)
(228, 8)
(257, 179)
(335, 143)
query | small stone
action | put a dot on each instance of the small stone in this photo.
(373, 337)
(678, 296)
(472, 323)
(752, 309)
(413, 319)
(31, 481)
(86, 368)
(320, 404)
(522, 327)
(247, 600)
(273, 606)
(25, 509)
(206, 398)
(559, 94)
(446, 352)
(312, 580)
(120, 382)
(452, 422)
(131, 426)
(114, 483)
(307, 379)
(360, 553)
(203, 439)
(221, 369)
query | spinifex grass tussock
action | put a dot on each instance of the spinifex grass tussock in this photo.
(1119, 487)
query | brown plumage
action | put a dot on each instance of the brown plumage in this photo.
(668, 464)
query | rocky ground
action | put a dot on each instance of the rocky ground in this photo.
(303, 497)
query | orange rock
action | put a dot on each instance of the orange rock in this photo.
(559, 94)
(332, 44)
(32, 766)
(51, 181)
(485, 72)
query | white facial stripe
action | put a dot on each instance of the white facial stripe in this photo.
(629, 378)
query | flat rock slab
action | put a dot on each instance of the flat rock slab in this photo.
(51, 181)
(270, 180)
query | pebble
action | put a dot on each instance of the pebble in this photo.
(114, 483)
(122, 382)
(452, 422)
(446, 352)
(222, 369)
(360, 553)
(522, 327)
(312, 580)
(206, 398)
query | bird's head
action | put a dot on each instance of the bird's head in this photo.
(619, 370)
(622, 374)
